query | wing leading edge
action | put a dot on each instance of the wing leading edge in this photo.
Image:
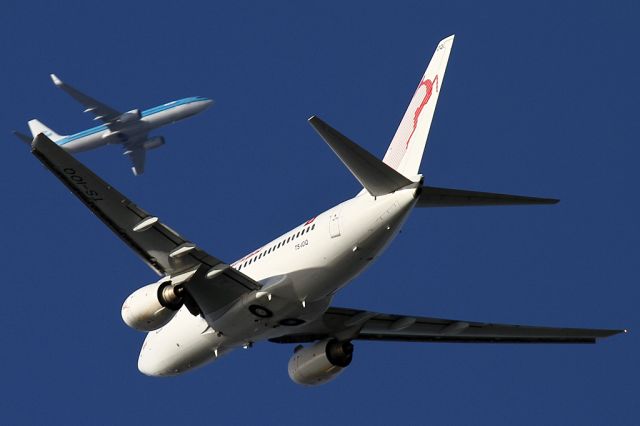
(354, 324)
(102, 112)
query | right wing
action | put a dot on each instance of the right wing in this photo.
(102, 112)
(431, 196)
(348, 324)
(212, 283)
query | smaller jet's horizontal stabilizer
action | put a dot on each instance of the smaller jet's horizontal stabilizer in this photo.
(24, 138)
(444, 197)
(376, 177)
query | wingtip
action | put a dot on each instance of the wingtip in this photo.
(55, 79)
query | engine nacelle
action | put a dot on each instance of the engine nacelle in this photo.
(152, 143)
(319, 363)
(152, 306)
(133, 115)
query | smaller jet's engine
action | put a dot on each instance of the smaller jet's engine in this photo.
(133, 115)
(319, 363)
(152, 306)
(152, 143)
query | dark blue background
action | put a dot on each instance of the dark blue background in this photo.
(540, 98)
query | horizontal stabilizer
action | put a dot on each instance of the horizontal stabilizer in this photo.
(376, 177)
(444, 197)
(24, 138)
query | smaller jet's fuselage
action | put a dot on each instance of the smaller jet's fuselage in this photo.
(150, 119)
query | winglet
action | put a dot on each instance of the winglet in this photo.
(56, 80)
(376, 177)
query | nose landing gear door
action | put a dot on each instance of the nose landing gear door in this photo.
(334, 224)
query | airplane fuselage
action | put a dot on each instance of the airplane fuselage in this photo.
(300, 272)
(150, 119)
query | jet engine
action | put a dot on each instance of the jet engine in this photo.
(152, 306)
(319, 363)
(152, 143)
(133, 115)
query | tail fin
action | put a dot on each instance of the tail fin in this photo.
(406, 149)
(37, 127)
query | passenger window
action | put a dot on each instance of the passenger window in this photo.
(313, 226)
(298, 234)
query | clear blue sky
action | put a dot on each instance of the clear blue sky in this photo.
(540, 98)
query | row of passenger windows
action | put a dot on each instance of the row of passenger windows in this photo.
(275, 247)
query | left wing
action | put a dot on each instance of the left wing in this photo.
(102, 112)
(348, 324)
(209, 281)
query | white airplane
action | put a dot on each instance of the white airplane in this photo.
(203, 308)
(130, 129)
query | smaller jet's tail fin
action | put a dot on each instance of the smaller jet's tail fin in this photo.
(38, 127)
(24, 138)
(376, 177)
(405, 151)
(444, 197)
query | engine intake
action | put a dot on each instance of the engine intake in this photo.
(152, 306)
(321, 362)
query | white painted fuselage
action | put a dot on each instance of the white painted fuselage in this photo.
(150, 120)
(300, 272)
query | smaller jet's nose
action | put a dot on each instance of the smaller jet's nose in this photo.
(207, 103)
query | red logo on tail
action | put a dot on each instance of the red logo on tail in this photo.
(428, 84)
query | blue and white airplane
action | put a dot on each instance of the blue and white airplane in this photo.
(130, 129)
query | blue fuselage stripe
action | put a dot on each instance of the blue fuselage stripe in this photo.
(145, 113)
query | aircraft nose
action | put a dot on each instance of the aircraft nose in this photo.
(150, 361)
(207, 103)
(149, 365)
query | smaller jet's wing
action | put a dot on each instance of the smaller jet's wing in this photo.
(137, 156)
(212, 284)
(354, 324)
(102, 112)
(431, 196)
